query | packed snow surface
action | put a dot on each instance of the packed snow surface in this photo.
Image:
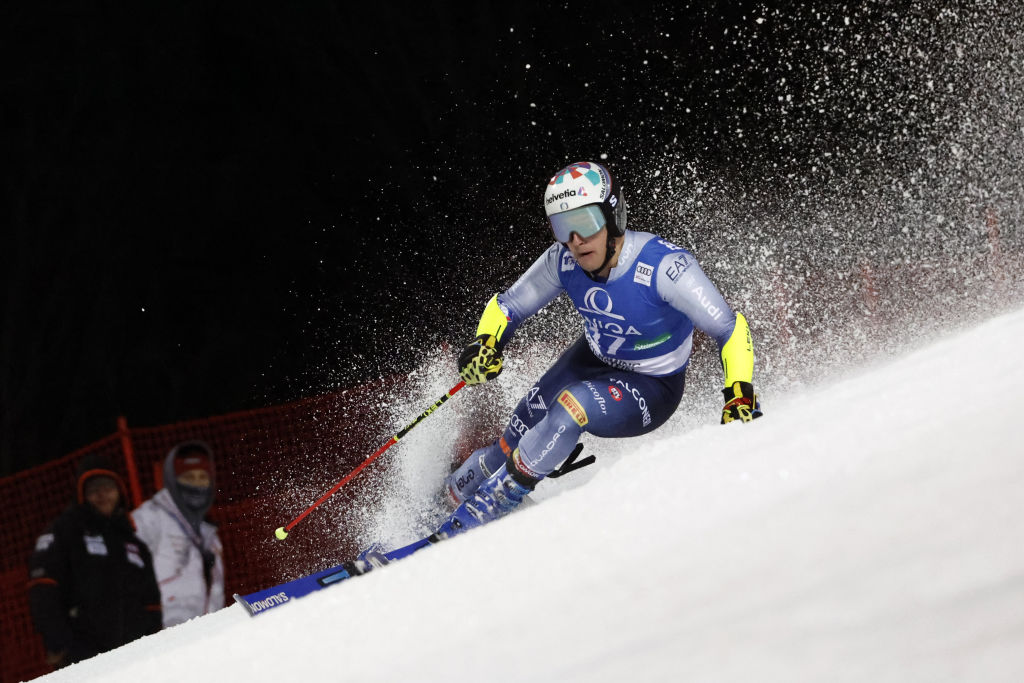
(867, 529)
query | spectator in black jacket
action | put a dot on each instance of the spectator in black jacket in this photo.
(91, 581)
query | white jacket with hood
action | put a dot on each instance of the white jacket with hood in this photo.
(178, 538)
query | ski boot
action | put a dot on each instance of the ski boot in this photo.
(368, 559)
(499, 495)
(476, 469)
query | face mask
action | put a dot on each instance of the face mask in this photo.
(194, 497)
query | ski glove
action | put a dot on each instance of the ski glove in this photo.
(740, 403)
(480, 361)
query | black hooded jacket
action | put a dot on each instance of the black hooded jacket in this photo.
(91, 581)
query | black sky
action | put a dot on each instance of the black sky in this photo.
(212, 206)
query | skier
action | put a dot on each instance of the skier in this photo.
(187, 554)
(640, 298)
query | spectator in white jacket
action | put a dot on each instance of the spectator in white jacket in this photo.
(187, 554)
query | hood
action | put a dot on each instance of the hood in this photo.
(194, 510)
(95, 465)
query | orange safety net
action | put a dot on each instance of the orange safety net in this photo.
(271, 464)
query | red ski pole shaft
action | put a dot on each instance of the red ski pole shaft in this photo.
(282, 532)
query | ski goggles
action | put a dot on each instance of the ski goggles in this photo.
(585, 221)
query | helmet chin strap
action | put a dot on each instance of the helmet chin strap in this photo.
(609, 252)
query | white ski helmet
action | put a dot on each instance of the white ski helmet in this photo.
(582, 198)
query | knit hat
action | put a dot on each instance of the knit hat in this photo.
(192, 455)
(95, 466)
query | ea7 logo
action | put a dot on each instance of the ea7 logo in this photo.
(535, 401)
(678, 267)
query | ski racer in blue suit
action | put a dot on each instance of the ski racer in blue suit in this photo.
(640, 298)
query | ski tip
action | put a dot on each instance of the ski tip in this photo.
(281, 533)
(241, 601)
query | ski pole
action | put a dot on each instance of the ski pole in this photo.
(282, 532)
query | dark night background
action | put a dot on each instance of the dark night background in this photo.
(213, 206)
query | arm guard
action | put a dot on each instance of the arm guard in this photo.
(495, 322)
(738, 354)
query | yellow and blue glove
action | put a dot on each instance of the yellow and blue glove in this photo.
(480, 361)
(741, 403)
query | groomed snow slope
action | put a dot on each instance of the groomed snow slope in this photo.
(870, 529)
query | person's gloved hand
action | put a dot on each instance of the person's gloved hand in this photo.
(740, 403)
(480, 361)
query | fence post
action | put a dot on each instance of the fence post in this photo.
(129, 461)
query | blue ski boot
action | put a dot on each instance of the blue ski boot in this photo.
(374, 556)
(476, 469)
(497, 496)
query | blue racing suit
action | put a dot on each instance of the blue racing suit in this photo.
(625, 375)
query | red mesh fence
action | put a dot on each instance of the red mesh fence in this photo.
(271, 464)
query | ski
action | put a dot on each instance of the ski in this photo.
(261, 601)
(268, 598)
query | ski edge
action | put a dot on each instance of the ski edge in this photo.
(258, 602)
(261, 601)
